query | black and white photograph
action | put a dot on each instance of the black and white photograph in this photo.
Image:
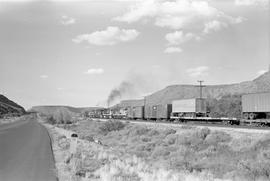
(134, 90)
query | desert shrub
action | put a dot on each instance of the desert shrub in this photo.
(160, 152)
(264, 154)
(219, 159)
(241, 143)
(91, 164)
(193, 140)
(187, 139)
(153, 132)
(169, 131)
(109, 126)
(170, 139)
(138, 130)
(50, 120)
(182, 159)
(218, 137)
(140, 154)
(149, 146)
(262, 144)
(145, 139)
(140, 147)
(134, 139)
(87, 137)
(255, 161)
(63, 143)
(172, 148)
(202, 133)
(182, 140)
(254, 169)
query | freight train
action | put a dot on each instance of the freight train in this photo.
(255, 109)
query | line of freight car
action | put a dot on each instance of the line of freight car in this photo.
(255, 110)
(184, 110)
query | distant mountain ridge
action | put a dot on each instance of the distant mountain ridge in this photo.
(50, 110)
(166, 95)
(8, 107)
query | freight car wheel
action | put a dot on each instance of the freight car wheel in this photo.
(245, 116)
(252, 116)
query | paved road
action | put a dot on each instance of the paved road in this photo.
(25, 152)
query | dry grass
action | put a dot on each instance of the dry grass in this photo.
(134, 152)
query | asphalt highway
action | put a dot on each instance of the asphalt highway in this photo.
(25, 152)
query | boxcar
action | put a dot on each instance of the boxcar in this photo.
(138, 112)
(256, 106)
(129, 112)
(157, 112)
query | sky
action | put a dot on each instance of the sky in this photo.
(57, 52)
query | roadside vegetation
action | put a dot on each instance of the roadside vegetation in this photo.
(136, 152)
(61, 116)
(11, 119)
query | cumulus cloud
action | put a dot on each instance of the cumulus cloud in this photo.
(86, 0)
(65, 20)
(44, 76)
(198, 71)
(173, 50)
(214, 26)
(17, 1)
(94, 71)
(178, 14)
(173, 14)
(179, 37)
(261, 72)
(111, 36)
(236, 20)
(251, 2)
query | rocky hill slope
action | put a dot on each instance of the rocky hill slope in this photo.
(166, 95)
(8, 107)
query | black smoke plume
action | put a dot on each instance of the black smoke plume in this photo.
(136, 85)
(125, 89)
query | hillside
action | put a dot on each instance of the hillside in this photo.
(166, 95)
(50, 110)
(9, 107)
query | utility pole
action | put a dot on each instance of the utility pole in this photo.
(201, 87)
